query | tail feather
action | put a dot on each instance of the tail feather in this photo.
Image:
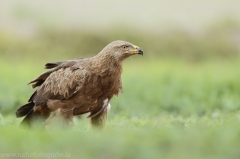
(25, 109)
(31, 119)
(31, 116)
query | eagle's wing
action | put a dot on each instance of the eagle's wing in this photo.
(54, 64)
(61, 83)
(57, 65)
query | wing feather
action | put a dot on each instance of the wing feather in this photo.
(62, 83)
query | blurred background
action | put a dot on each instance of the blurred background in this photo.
(189, 48)
(183, 29)
(181, 96)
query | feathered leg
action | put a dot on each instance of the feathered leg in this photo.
(100, 119)
(61, 118)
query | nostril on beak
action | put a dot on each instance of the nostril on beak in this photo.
(140, 51)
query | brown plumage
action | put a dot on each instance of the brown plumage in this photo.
(79, 86)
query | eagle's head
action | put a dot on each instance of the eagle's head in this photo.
(120, 50)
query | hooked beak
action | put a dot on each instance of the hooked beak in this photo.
(140, 51)
(136, 50)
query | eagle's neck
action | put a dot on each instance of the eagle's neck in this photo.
(107, 64)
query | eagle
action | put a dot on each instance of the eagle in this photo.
(75, 87)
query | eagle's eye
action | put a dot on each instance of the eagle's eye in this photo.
(124, 47)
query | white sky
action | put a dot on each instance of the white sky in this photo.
(142, 14)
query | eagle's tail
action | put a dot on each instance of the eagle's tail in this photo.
(25, 109)
(31, 116)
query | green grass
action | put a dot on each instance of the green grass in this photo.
(159, 137)
(169, 109)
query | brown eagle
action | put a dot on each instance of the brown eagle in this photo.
(80, 86)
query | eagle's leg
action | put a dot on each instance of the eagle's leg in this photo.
(100, 119)
(60, 117)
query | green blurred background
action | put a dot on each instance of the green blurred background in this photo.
(180, 100)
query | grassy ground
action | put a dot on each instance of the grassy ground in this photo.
(169, 109)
